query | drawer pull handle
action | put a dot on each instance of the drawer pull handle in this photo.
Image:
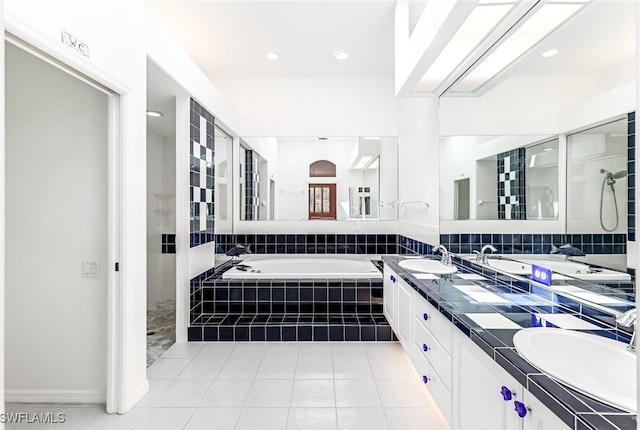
(393, 278)
(425, 379)
(425, 348)
(520, 408)
(506, 393)
(425, 316)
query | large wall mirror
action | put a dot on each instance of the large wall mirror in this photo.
(599, 191)
(315, 179)
(536, 192)
(500, 178)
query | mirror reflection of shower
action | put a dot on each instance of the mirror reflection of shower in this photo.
(610, 180)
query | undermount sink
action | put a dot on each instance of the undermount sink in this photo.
(427, 266)
(594, 365)
(509, 266)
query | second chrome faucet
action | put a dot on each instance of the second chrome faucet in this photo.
(482, 254)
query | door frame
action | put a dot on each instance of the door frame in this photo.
(118, 316)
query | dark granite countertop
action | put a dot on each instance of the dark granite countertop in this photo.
(522, 303)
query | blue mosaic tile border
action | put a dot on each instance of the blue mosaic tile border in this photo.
(465, 243)
(310, 243)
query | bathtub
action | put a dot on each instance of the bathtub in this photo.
(309, 267)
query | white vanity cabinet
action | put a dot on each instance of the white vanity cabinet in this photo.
(399, 309)
(485, 393)
(486, 396)
(472, 391)
(540, 417)
(389, 293)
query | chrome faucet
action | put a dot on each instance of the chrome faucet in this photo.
(628, 319)
(481, 256)
(446, 257)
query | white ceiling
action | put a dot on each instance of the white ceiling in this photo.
(599, 37)
(231, 38)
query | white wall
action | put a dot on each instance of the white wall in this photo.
(2, 217)
(419, 161)
(457, 153)
(56, 149)
(161, 185)
(389, 178)
(313, 106)
(120, 55)
(521, 104)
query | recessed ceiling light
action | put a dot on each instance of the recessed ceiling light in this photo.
(549, 53)
(272, 56)
(548, 149)
(341, 55)
(154, 113)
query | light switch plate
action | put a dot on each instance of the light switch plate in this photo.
(89, 269)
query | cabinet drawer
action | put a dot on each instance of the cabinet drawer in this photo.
(440, 327)
(435, 353)
(436, 387)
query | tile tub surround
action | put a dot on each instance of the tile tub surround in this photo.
(525, 307)
(287, 309)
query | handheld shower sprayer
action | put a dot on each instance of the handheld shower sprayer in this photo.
(610, 180)
(611, 177)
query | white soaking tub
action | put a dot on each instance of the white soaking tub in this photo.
(305, 267)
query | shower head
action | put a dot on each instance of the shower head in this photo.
(619, 174)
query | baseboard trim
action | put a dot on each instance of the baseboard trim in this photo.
(138, 394)
(56, 396)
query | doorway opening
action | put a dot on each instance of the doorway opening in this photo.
(161, 212)
(61, 238)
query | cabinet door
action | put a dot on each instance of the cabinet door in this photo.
(539, 417)
(404, 317)
(390, 286)
(479, 403)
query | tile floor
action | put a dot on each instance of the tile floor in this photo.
(161, 329)
(257, 386)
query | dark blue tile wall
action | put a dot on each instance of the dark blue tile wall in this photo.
(310, 243)
(511, 191)
(251, 187)
(465, 243)
(631, 178)
(201, 165)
